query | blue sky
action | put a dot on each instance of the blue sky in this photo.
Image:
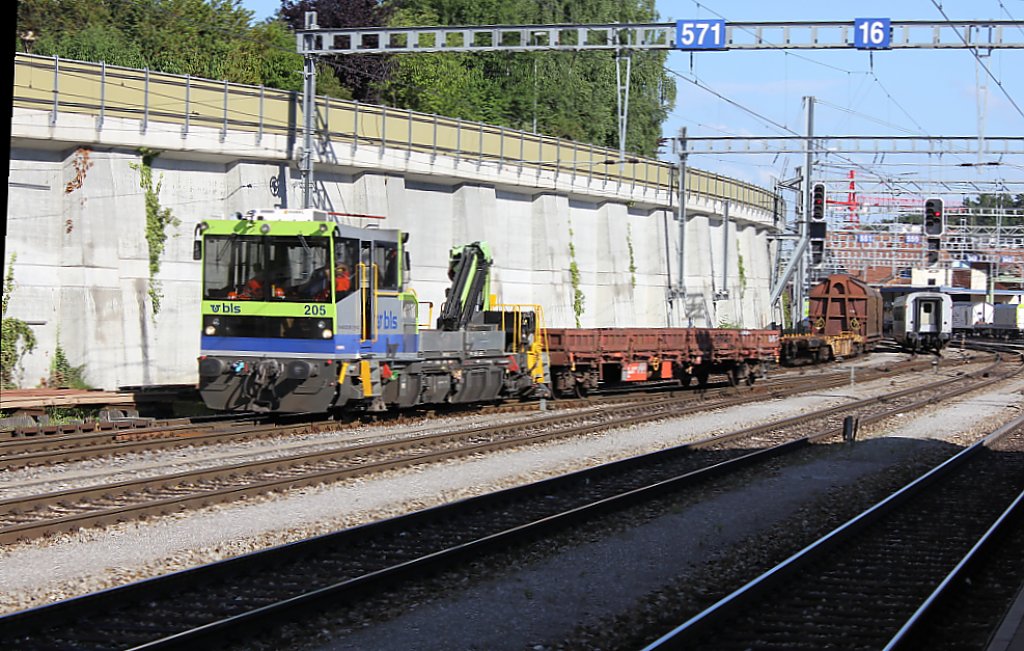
(897, 92)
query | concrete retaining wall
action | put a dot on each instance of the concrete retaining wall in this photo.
(82, 275)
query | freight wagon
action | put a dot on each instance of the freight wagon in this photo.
(583, 360)
(845, 319)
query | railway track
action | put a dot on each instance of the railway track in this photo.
(36, 515)
(899, 576)
(19, 449)
(232, 599)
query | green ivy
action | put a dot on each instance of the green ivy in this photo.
(16, 337)
(632, 259)
(158, 219)
(742, 271)
(63, 374)
(578, 298)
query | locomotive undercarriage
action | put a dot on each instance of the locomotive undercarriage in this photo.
(268, 384)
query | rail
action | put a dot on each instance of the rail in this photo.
(107, 92)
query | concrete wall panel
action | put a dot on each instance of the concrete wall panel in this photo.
(83, 260)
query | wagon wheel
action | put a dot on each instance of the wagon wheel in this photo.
(734, 377)
(580, 389)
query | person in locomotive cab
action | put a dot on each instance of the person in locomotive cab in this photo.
(253, 288)
(342, 280)
(318, 286)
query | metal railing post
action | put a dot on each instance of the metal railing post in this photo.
(188, 103)
(145, 101)
(103, 95)
(224, 125)
(433, 154)
(355, 127)
(259, 131)
(458, 140)
(56, 90)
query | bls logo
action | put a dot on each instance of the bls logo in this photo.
(226, 308)
(387, 320)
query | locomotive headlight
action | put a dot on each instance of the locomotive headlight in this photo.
(321, 324)
(210, 330)
(327, 334)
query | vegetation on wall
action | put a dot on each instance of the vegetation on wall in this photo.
(16, 337)
(578, 298)
(742, 271)
(81, 163)
(158, 218)
(632, 259)
(62, 373)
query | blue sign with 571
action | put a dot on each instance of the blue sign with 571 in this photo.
(700, 34)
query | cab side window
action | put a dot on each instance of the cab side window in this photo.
(385, 257)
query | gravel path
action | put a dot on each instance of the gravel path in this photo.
(36, 572)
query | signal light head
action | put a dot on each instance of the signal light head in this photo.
(933, 221)
(818, 201)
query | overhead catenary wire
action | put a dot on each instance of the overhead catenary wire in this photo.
(974, 53)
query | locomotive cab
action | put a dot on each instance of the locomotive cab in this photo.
(291, 306)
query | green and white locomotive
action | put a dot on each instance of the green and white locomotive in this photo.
(304, 314)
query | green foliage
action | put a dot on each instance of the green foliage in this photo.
(578, 297)
(725, 323)
(569, 94)
(63, 374)
(994, 202)
(158, 218)
(69, 415)
(632, 259)
(16, 337)
(204, 38)
(742, 270)
(566, 94)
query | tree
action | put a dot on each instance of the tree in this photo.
(361, 74)
(995, 202)
(567, 94)
(204, 38)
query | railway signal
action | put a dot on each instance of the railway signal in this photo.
(818, 201)
(817, 229)
(934, 222)
(934, 225)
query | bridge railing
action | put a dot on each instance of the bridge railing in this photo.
(67, 86)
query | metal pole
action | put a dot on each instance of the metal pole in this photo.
(622, 97)
(681, 218)
(308, 109)
(801, 277)
(725, 248)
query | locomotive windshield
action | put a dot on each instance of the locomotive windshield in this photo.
(269, 268)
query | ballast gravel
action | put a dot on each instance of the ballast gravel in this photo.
(38, 572)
